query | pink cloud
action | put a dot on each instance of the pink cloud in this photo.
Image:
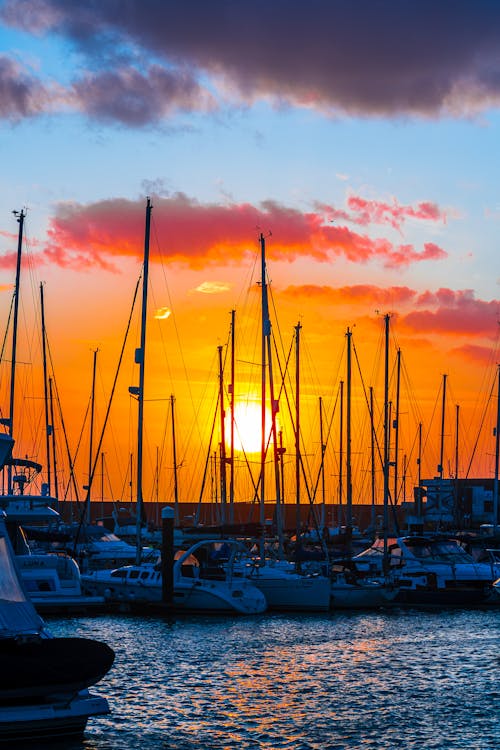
(364, 212)
(194, 234)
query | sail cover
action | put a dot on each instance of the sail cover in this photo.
(17, 614)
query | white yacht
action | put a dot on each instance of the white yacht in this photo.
(53, 583)
(203, 580)
(430, 570)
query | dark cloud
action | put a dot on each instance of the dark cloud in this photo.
(363, 57)
(21, 95)
(132, 98)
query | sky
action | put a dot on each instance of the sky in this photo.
(360, 138)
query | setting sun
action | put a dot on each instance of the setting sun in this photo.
(247, 427)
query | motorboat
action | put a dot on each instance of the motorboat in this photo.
(51, 579)
(203, 581)
(96, 548)
(44, 680)
(430, 570)
(53, 583)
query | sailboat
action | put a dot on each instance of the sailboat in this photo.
(284, 586)
(204, 580)
(53, 581)
(352, 587)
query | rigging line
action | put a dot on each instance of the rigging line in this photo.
(71, 465)
(437, 402)
(377, 444)
(4, 342)
(481, 424)
(113, 389)
(72, 462)
(205, 471)
(196, 425)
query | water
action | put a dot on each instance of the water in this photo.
(397, 679)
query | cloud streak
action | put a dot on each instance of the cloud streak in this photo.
(423, 59)
(196, 234)
(444, 311)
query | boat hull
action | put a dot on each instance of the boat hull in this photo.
(47, 666)
(294, 592)
(362, 596)
(56, 719)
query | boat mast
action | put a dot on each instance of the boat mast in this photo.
(372, 451)
(323, 450)
(266, 325)
(140, 358)
(497, 455)
(53, 434)
(20, 216)
(443, 410)
(348, 437)
(223, 473)
(267, 360)
(92, 405)
(297, 431)
(457, 437)
(231, 406)
(174, 450)
(396, 427)
(48, 427)
(341, 450)
(386, 438)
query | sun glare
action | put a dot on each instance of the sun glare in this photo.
(247, 427)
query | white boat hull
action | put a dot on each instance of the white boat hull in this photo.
(293, 591)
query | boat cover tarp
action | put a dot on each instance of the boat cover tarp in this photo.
(17, 613)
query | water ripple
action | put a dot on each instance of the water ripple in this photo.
(401, 679)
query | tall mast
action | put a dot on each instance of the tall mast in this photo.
(372, 446)
(419, 471)
(174, 450)
(231, 393)
(53, 435)
(48, 427)
(297, 430)
(92, 405)
(443, 410)
(341, 450)
(223, 473)
(20, 219)
(267, 359)
(386, 437)
(266, 325)
(140, 358)
(348, 435)
(497, 455)
(323, 450)
(396, 427)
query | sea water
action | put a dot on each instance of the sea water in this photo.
(381, 679)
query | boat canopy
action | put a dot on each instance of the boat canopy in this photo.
(18, 616)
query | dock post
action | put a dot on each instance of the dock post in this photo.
(167, 555)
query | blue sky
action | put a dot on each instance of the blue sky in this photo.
(283, 116)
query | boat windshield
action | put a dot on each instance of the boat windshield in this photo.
(439, 551)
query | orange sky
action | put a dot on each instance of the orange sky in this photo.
(205, 263)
